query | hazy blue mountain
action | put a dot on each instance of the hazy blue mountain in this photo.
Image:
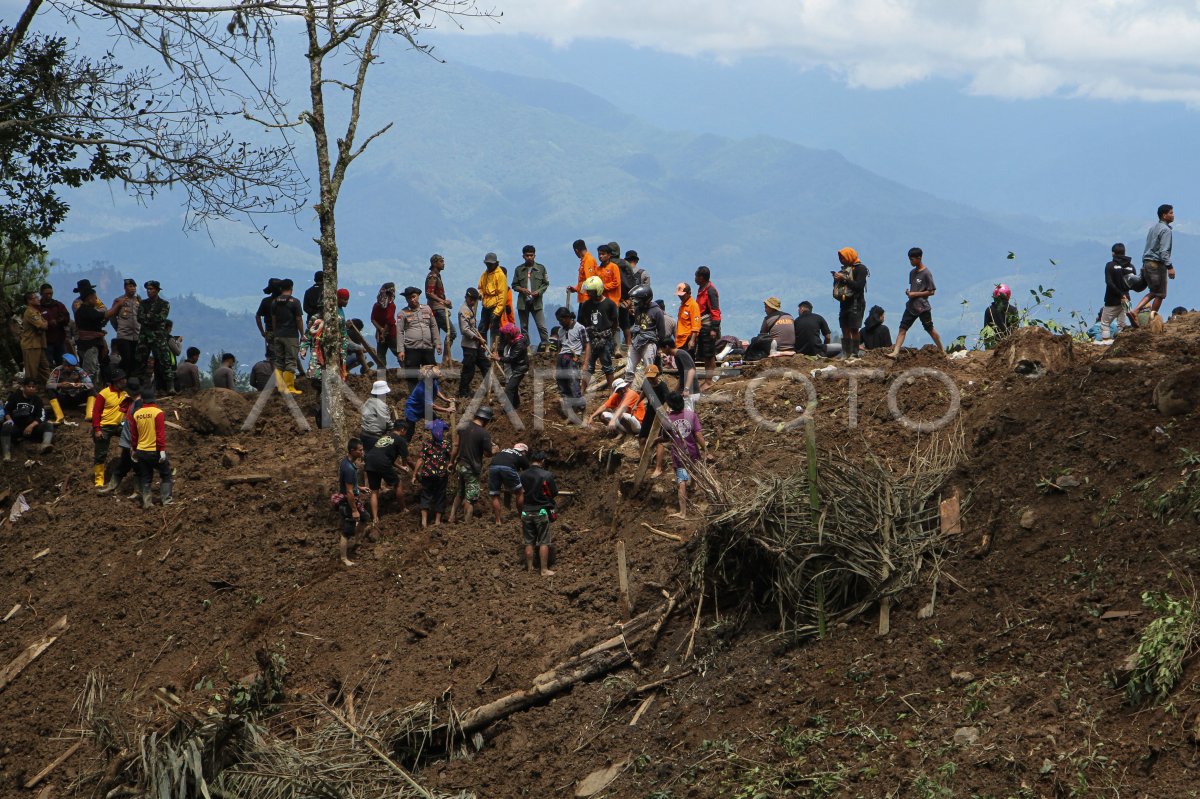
(483, 160)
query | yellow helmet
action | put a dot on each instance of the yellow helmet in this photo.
(594, 285)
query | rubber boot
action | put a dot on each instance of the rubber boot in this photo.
(111, 486)
(91, 403)
(280, 385)
(164, 492)
(171, 385)
(47, 440)
(98, 474)
(147, 502)
(58, 412)
(6, 447)
(289, 379)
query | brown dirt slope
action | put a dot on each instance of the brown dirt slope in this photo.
(1018, 650)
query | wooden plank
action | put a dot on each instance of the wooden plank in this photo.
(58, 761)
(664, 534)
(31, 653)
(642, 708)
(623, 580)
(172, 425)
(247, 478)
(644, 461)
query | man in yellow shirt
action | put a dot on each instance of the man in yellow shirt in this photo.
(148, 433)
(687, 326)
(108, 411)
(493, 293)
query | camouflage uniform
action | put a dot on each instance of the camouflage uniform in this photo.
(152, 338)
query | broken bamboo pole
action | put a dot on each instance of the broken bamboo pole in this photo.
(31, 653)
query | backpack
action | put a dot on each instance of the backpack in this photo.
(842, 291)
(1135, 281)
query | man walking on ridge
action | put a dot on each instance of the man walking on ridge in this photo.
(1116, 291)
(920, 288)
(1156, 261)
(287, 322)
(687, 323)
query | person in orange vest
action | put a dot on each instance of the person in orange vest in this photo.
(148, 433)
(587, 268)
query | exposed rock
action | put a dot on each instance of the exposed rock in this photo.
(966, 736)
(1034, 350)
(1176, 394)
(218, 411)
(962, 677)
(1028, 519)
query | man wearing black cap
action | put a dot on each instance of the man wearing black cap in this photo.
(152, 338)
(123, 315)
(89, 328)
(314, 296)
(530, 284)
(263, 317)
(474, 345)
(435, 296)
(287, 322)
(417, 337)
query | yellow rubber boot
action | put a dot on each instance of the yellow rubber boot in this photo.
(58, 414)
(289, 379)
(98, 473)
(91, 403)
(280, 384)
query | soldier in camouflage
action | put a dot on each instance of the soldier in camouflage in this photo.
(152, 338)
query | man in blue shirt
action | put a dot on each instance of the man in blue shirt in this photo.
(1156, 261)
(350, 505)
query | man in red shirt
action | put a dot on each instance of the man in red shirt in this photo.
(148, 434)
(710, 324)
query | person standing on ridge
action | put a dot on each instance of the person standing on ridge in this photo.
(648, 328)
(530, 284)
(709, 303)
(850, 290)
(493, 293)
(587, 268)
(123, 315)
(920, 288)
(383, 319)
(512, 353)
(287, 320)
(89, 331)
(187, 374)
(1116, 291)
(418, 340)
(33, 340)
(573, 349)
(148, 434)
(474, 345)
(58, 319)
(687, 323)
(610, 275)
(263, 317)
(314, 297)
(153, 313)
(435, 296)
(1157, 265)
(539, 490)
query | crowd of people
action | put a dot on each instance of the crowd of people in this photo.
(619, 329)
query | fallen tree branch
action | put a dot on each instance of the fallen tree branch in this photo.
(375, 750)
(31, 653)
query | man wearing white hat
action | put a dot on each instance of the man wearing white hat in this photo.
(376, 415)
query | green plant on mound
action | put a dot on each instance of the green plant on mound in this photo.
(1165, 645)
(1182, 501)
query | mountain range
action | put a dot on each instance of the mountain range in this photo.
(483, 160)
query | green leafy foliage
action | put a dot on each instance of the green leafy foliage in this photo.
(1164, 646)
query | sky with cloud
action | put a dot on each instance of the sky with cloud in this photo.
(1019, 49)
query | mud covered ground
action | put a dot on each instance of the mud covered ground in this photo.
(1018, 659)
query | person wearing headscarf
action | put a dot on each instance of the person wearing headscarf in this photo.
(850, 290)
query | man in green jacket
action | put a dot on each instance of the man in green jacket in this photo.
(529, 284)
(152, 316)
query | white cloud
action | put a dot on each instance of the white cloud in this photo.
(1111, 49)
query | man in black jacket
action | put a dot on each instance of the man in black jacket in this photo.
(812, 331)
(1116, 291)
(314, 296)
(537, 484)
(24, 416)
